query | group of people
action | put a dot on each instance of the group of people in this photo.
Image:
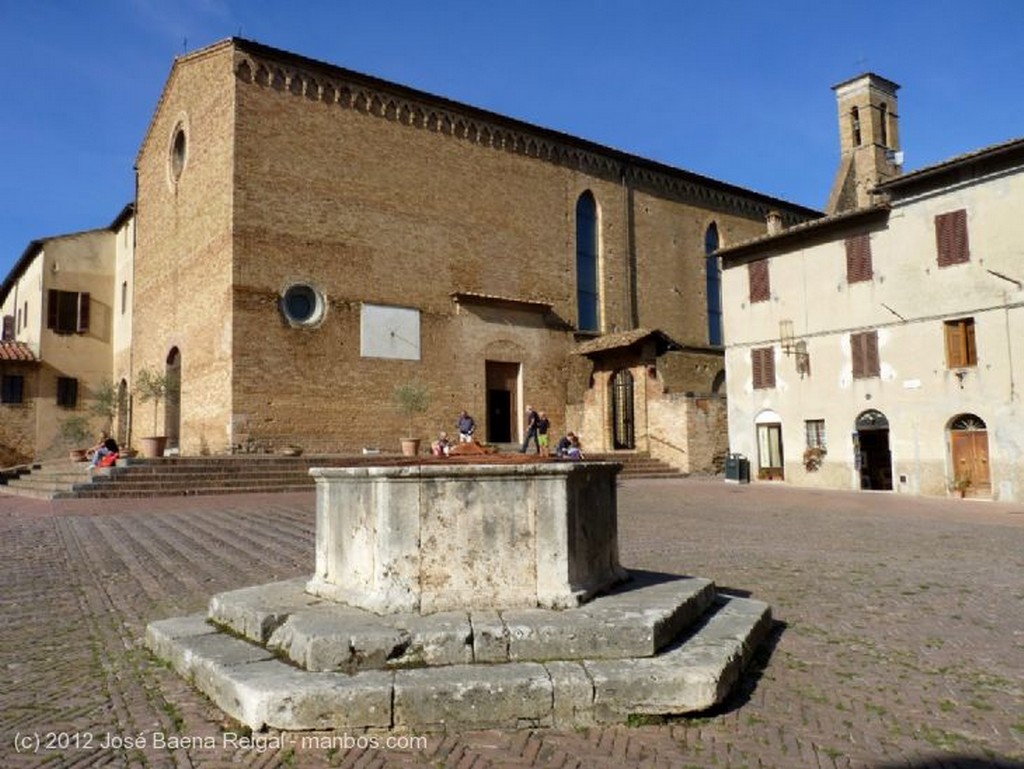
(466, 426)
(537, 427)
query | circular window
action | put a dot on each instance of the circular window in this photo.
(179, 151)
(302, 305)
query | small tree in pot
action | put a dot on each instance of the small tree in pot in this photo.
(411, 398)
(152, 385)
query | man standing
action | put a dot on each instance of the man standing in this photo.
(531, 430)
(466, 428)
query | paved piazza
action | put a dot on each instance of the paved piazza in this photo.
(899, 635)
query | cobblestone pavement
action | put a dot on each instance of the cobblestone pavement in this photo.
(899, 638)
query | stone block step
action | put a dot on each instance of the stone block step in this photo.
(637, 619)
(250, 684)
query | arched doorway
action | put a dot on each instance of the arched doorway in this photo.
(871, 451)
(968, 449)
(172, 404)
(622, 410)
(121, 435)
(770, 459)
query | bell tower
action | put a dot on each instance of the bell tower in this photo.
(869, 140)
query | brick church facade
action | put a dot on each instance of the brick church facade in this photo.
(307, 238)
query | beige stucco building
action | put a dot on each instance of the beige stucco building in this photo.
(307, 238)
(888, 333)
(63, 321)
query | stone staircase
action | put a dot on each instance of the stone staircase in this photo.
(243, 473)
(638, 464)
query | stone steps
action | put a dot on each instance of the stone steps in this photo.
(183, 476)
(631, 653)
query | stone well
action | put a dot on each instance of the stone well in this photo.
(438, 537)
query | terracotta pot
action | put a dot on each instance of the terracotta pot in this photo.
(410, 446)
(153, 446)
(77, 455)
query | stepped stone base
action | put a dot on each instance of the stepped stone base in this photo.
(273, 656)
(472, 596)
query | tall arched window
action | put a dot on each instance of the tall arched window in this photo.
(586, 263)
(713, 274)
(855, 125)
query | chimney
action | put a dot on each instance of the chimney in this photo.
(774, 222)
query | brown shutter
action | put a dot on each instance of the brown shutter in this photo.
(857, 356)
(951, 238)
(969, 346)
(8, 330)
(872, 364)
(52, 307)
(864, 352)
(762, 361)
(954, 344)
(760, 286)
(83, 313)
(858, 258)
(769, 366)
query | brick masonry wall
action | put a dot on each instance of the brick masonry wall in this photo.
(182, 295)
(282, 187)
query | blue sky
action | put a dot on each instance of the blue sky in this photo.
(736, 90)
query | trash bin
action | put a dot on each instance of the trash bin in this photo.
(744, 469)
(737, 469)
(732, 468)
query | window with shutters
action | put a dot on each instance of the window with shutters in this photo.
(762, 360)
(960, 349)
(864, 350)
(951, 238)
(760, 286)
(8, 328)
(858, 258)
(67, 392)
(12, 388)
(67, 312)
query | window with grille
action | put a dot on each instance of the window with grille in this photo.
(67, 312)
(760, 286)
(864, 350)
(858, 258)
(12, 388)
(951, 238)
(960, 348)
(67, 392)
(762, 360)
(814, 430)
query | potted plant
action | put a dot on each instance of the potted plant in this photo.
(961, 483)
(76, 433)
(151, 385)
(411, 398)
(813, 457)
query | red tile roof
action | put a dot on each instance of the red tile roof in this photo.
(16, 351)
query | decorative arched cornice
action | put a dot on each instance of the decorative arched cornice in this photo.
(256, 65)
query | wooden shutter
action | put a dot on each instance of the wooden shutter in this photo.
(864, 351)
(762, 360)
(760, 286)
(960, 345)
(951, 238)
(8, 329)
(858, 258)
(83, 313)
